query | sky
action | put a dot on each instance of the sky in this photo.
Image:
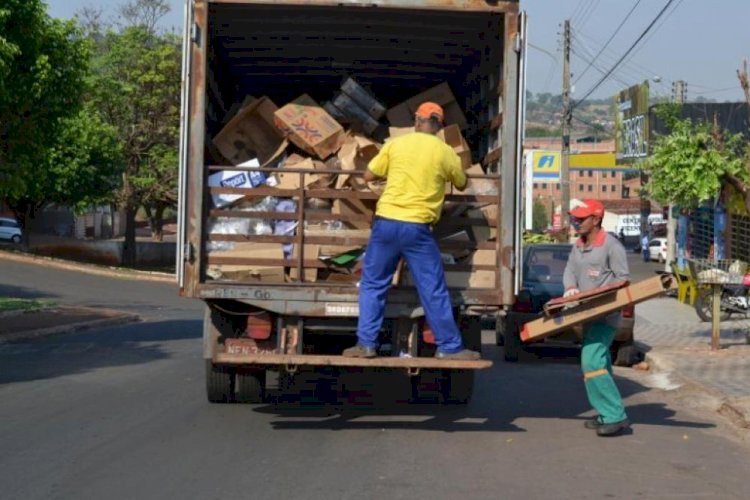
(700, 42)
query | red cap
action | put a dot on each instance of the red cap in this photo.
(588, 208)
(430, 109)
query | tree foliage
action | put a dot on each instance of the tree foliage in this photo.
(85, 162)
(539, 218)
(690, 165)
(43, 63)
(136, 90)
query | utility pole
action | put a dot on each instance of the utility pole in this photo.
(566, 121)
(679, 95)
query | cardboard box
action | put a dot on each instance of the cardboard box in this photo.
(309, 127)
(251, 134)
(355, 154)
(251, 272)
(312, 252)
(394, 132)
(234, 179)
(339, 248)
(595, 307)
(402, 115)
(353, 207)
(480, 187)
(291, 180)
(479, 278)
(363, 98)
(453, 137)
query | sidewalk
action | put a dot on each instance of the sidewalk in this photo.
(17, 326)
(676, 341)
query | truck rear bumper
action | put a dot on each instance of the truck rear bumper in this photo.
(324, 360)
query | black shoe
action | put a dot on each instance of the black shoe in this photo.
(464, 355)
(593, 423)
(613, 429)
(360, 351)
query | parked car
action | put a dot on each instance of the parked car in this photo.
(657, 249)
(10, 230)
(543, 268)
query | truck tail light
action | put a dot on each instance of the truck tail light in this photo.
(259, 325)
(628, 311)
(427, 336)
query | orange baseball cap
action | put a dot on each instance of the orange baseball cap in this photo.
(588, 208)
(430, 109)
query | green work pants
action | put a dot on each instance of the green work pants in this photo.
(596, 364)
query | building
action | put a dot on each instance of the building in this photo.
(587, 183)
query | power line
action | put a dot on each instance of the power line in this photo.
(629, 69)
(623, 71)
(627, 52)
(612, 56)
(580, 9)
(651, 35)
(606, 44)
(599, 69)
(588, 14)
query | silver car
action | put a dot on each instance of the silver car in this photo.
(10, 230)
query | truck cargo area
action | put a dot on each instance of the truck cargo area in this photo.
(283, 51)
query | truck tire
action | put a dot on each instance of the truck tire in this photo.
(218, 383)
(501, 328)
(250, 386)
(472, 332)
(512, 347)
(456, 386)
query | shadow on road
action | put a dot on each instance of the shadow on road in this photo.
(507, 398)
(132, 344)
(21, 292)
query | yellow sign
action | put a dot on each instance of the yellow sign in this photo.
(593, 161)
(546, 165)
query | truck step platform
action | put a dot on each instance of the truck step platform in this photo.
(323, 360)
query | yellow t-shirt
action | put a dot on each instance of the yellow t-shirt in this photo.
(416, 166)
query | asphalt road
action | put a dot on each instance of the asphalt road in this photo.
(121, 413)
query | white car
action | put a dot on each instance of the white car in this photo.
(657, 249)
(10, 230)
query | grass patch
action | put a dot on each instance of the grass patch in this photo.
(8, 304)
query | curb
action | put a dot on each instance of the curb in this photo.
(120, 319)
(87, 268)
(725, 407)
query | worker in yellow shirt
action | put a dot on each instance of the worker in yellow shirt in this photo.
(416, 167)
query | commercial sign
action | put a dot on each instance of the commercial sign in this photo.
(546, 166)
(631, 124)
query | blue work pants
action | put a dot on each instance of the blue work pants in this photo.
(389, 241)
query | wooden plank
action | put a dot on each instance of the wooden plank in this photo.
(320, 360)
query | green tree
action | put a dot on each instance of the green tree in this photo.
(539, 218)
(43, 63)
(691, 164)
(136, 90)
(85, 163)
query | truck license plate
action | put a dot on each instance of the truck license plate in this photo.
(342, 309)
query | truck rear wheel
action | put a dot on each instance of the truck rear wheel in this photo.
(512, 344)
(250, 386)
(456, 386)
(218, 382)
(472, 332)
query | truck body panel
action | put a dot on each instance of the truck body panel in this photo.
(397, 49)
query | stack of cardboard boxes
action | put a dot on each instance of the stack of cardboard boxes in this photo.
(303, 135)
